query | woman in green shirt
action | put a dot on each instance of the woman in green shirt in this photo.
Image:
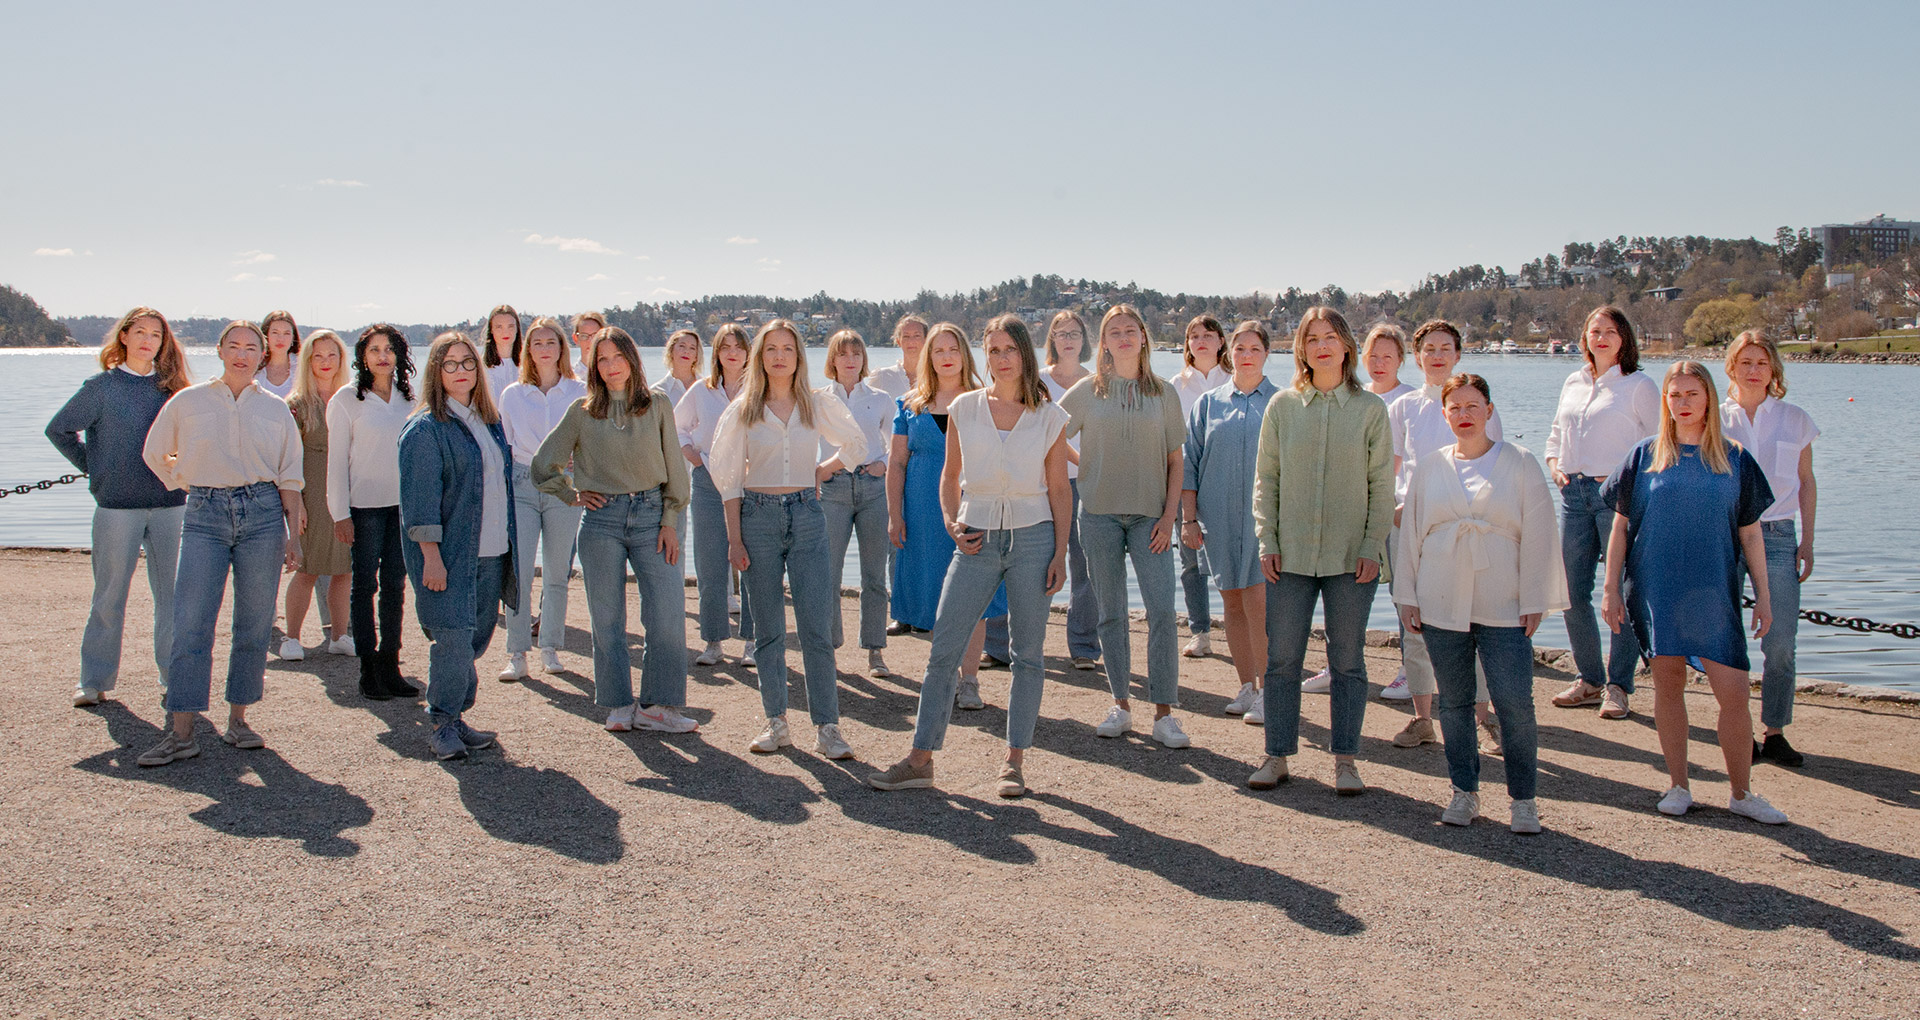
(1322, 503)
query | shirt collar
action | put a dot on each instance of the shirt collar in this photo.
(1339, 394)
(1431, 392)
(462, 412)
(148, 374)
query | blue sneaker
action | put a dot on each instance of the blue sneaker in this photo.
(474, 739)
(446, 743)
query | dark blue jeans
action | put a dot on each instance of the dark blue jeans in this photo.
(379, 571)
(1290, 603)
(452, 681)
(1506, 653)
(1585, 525)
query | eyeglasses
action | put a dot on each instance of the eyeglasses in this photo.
(463, 365)
(1066, 333)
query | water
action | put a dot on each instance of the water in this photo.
(1867, 562)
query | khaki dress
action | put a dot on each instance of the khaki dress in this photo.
(320, 552)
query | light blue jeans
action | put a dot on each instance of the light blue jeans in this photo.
(543, 519)
(1290, 603)
(452, 680)
(711, 574)
(1195, 576)
(857, 502)
(1783, 592)
(786, 538)
(1083, 607)
(1586, 524)
(1505, 656)
(1018, 558)
(627, 531)
(118, 537)
(1110, 539)
(243, 532)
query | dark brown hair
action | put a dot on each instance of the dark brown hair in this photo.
(1629, 343)
(491, 357)
(599, 398)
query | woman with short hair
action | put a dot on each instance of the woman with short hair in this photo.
(854, 496)
(585, 325)
(1205, 353)
(530, 407)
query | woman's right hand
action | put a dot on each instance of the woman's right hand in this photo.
(897, 532)
(1559, 477)
(966, 539)
(433, 575)
(737, 555)
(693, 456)
(1270, 566)
(1410, 618)
(1190, 535)
(1611, 609)
(590, 500)
(343, 531)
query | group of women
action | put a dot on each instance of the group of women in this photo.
(975, 496)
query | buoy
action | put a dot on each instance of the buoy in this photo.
(1849, 400)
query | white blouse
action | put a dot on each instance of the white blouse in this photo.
(1003, 475)
(1774, 438)
(874, 410)
(672, 388)
(1488, 557)
(775, 454)
(891, 380)
(1418, 423)
(363, 450)
(1600, 421)
(501, 376)
(1056, 391)
(285, 389)
(206, 435)
(528, 414)
(697, 414)
(1190, 383)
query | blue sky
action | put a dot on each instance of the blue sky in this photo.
(423, 162)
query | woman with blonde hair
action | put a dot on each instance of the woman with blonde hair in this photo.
(323, 369)
(278, 366)
(1067, 355)
(696, 417)
(764, 455)
(1382, 354)
(1687, 509)
(1131, 432)
(1780, 437)
(854, 496)
(909, 336)
(530, 408)
(501, 355)
(101, 430)
(1206, 368)
(683, 366)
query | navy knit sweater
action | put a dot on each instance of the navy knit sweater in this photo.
(102, 431)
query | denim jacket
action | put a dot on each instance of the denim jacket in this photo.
(440, 498)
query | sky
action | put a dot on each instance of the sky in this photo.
(422, 162)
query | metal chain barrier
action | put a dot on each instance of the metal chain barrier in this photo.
(1854, 623)
(23, 489)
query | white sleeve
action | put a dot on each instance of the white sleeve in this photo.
(339, 454)
(728, 463)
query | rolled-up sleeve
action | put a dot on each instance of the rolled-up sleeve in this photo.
(420, 483)
(548, 470)
(1195, 445)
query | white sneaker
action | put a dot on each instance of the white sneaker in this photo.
(1117, 722)
(1463, 810)
(747, 659)
(877, 664)
(1526, 818)
(1756, 807)
(85, 696)
(774, 738)
(664, 718)
(1256, 712)
(342, 646)
(1166, 730)
(829, 744)
(1676, 802)
(1319, 683)
(733, 605)
(1201, 645)
(550, 661)
(620, 720)
(291, 651)
(516, 668)
(1397, 690)
(709, 656)
(1242, 703)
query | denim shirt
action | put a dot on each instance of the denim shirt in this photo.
(441, 495)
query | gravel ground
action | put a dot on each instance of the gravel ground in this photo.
(342, 872)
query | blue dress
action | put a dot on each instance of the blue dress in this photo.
(920, 566)
(1684, 562)
(1222, 450)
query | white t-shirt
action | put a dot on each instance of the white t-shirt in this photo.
(1418, 423)
(1473, 472)
(1190, 383)
(1774, 438)
(891, 380)
(284, 389)
(1055, 390)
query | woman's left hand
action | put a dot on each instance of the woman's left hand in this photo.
(293, 553)
(1804, 556)
(1366, 572)
(669, 545)
(1162, 537)
(590, 500)
(1762, 619)
(1056, 572)
(1530, 622)
(1190, 535)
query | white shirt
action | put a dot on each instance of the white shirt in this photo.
(1190, 382)
(1600, 421)
(285, 388)
(1003, 475)
(1418, 424)
(1055, 390)
(1393, 394)
(775, 454)
(363, 450)
(1774, 437)
(697, 415)
(501, 376)
(874, 410)
(671, 388)
(528, 414)
(493, 483)
(223, 441)
(891, 380)
(1475, 473)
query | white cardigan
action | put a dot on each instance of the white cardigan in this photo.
(1486, 560)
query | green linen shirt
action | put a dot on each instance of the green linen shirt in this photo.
(1125, 439)
(1323, 485)
(616, 454)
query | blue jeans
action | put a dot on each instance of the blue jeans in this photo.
(452, 680)
(543, 520)
(242, 531)
(627, 531)
(1290, 603)
(1194, 578)
(1585, 525)
(786, 535)
(1083, 607)
(1506, 656)
(1783, 592)
(857, 502)
(1018, 558)
(1110, 539)
(711, 574)
(118, 537)
(378, 571)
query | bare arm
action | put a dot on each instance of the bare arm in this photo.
(1060, 499)
(1612, 609)
(896, 493)
(1755, 548)
(967, 541)
(1809, 496)
(1162, 537)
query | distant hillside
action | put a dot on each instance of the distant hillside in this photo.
(23, 323)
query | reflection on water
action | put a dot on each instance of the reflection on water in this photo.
(1867, 564)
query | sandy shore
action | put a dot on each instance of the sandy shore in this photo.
(343, 873)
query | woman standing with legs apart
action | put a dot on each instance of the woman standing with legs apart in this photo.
(323, 367)
(529, 410)
(1206, 369)
(854, 496)
(504, 349)
(1606, 408)
(1131, 431)
(101, 431)
(236, 450)
(1004, 492)
(1477, 566)
(363, 500)
(629, 475)
(455, 469)
(696, 417)
(1067, 355)
(764, 455)
(1780, 437)
(1322, 503)
(1688, 507)
(1222, 453)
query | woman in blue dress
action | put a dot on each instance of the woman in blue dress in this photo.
(915, 523)
(1687, 506)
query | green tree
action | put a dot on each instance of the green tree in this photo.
(1719, 320)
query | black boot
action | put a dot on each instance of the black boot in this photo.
(396, 684)
(373, 685)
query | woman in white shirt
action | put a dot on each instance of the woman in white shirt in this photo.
(1780, 437)
(585, 325)
(363, 499)
(909, 336)
(501, 359)
(1004, 495)
(1067, 355)
(696, 417)
(764, 455)
(1205, 344)
(854, 496)
(529, 409)
(1606, 408)
(277, 366)
(683, 365)
(1384, 351)
(1478, 566)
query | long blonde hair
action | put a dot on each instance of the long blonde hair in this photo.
(1104, 371)
(753, 403)
(925, 385)
(529, 372)
(308, 409)
(1303, 372)
(169, 362)
(1777, 388)
(433, 396)
(1666, 442)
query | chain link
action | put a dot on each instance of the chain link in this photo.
(1854, 623)
(23, 489)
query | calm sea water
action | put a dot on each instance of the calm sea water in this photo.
(1867, 558)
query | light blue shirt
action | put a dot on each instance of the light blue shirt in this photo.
(1222, 451)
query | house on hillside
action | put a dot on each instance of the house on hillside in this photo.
(1662, 293)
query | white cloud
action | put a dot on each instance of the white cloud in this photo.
(241, 278)
(737, 239)
(330, 182)
(254, 257)
(282, 279)
(577, 244)
(597, 277)
(656, 279)
(643, 258)
(367, 306)
(767, 265)
(58, 253)
(664, 292)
